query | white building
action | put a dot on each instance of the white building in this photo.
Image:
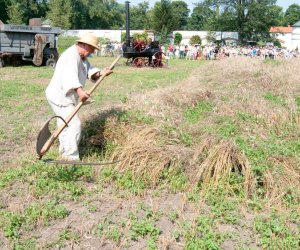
(283, 35)
(289, 37)
(228, 37)
(296, 36)
(111, 35)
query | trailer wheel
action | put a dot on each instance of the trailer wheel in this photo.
(159, 60)
(1, 63)
(139, 62)
(51, 62)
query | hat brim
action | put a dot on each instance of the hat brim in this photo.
(85, 42)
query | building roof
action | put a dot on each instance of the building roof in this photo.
(288, 29)
(297, 24)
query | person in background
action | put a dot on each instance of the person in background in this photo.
(66, 89)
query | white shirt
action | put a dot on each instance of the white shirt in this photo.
(70, 73)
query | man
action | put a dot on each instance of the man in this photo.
(66, 90)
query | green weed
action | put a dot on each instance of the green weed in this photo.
(12, 222)
(173, 216)
(142, 228)
(275, 99)
(186, 138)
(249, 118)
(136, 117)
(108, 229)
(175, 178)
(195, 114)
(271, 62)
(202, 235)
(297, 100)
(124, 180)
(226, 127)
(223, 207)
(114, 234)
(275, 233)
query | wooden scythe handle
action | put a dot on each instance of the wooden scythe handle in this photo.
(57, 132)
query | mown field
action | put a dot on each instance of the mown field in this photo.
(206, 156)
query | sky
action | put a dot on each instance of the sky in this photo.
(283, 3)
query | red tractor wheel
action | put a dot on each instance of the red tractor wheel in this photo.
(159, 60)
(139, 62)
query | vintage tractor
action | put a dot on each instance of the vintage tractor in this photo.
(140, 53)
(37, 44)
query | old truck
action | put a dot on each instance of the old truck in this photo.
(37, 44)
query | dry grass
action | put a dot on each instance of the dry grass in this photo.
(234, 85)
(141, 154)
(282, 180)
(222, 160)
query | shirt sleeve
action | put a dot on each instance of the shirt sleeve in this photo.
(92, 70)
(70, 77)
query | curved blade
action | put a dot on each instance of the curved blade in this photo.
(45, 134)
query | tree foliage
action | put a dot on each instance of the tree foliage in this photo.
(195, 40)
(16, 14)
(292, 14)
(181, 14)
(200, 16)
(251, 18)
(4, 10)
(177, 38)
(60, 13)
(163, 19)
(139, 16)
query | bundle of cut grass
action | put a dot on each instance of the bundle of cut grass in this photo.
(112, 130)
(282, 181)
(222, 160)
(141, 154)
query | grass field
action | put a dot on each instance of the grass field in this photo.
(206, 156)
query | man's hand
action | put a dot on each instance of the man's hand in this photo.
(106, 72)
(83, 95)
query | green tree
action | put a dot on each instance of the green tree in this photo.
(60, 13)
(177, 38)
(80, 18)
(251, 18)
(105, 14)
(195, 40)
(162, 19)
(20, 11)
(292, 14)
(261, 16)
(139, 17)
(199, 17)
(3, 10)
(181, 14)
(16, 14)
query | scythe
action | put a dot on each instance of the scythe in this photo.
(45, 139)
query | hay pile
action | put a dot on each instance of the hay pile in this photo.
(220, 162)
(142, 154)
(282, 181)
(237, 85)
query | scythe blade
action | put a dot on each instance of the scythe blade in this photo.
(45, 134)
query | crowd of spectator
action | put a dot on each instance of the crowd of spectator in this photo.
(214, 52)
(209, 52)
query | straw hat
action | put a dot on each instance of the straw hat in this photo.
(89, 39)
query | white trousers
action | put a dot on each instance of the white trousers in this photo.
(69, 138)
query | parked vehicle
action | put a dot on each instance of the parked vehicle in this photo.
(37, 44)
